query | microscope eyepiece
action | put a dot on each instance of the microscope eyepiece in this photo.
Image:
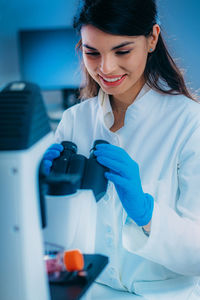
(69, 146)
(77, 172)
(96, 142)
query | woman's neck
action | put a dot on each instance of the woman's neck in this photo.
(121, 102)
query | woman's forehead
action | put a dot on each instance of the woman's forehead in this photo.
(92, 36)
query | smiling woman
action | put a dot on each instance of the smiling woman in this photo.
(117, 63)
(132, 22)
(137, 101)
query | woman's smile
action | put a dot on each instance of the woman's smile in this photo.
(112, 80)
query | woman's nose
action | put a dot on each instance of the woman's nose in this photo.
(107, 64)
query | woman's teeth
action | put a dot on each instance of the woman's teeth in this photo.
(112, 79)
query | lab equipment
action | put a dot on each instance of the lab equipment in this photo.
(24, 136)
(72, 183)
(73, 260)
(124, 173)
(52, 152)
(73, 285)
(48, 57)
(71, 273)
(71, 171)
(53, 258)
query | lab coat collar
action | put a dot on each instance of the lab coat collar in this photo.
(105, 106)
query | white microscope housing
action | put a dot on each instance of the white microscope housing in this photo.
(24, 136)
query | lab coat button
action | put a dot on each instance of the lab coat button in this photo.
(108, 229)
(109, 242)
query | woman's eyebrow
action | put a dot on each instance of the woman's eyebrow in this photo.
(122, 45)
(114, 48)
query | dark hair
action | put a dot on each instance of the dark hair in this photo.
(132, 18)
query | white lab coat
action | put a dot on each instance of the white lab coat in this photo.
(162, 134)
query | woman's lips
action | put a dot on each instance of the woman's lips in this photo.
(112, 80)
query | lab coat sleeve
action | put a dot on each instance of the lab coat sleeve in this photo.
(65, 127)
(174, 241)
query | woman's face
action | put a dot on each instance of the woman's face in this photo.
(116, 62)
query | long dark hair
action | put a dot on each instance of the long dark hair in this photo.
(132, 18)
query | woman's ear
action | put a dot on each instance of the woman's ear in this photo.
(153, 38)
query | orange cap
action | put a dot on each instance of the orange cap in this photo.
(73, 260)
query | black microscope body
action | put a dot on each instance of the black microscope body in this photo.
(71, 172)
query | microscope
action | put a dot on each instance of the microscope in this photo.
(30, 201)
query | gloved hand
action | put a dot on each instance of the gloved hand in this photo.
(51, 153)
(124, 173)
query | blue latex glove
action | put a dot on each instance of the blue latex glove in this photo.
(124, 173)
(51, 153)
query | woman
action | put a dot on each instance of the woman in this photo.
(149, 220)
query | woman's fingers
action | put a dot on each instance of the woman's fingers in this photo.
(113, 165)
(116, 179)
(51, 154)
(58, 147)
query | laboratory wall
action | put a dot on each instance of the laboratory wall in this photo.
(179, 19)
